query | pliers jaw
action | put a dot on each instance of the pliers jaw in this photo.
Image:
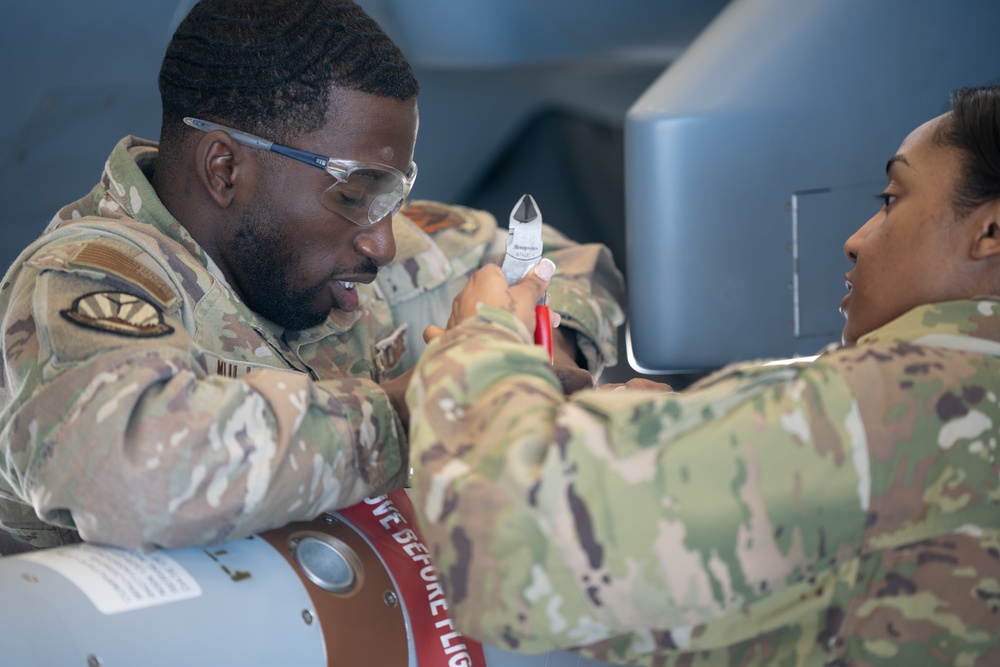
(524, 240)
(524, 251)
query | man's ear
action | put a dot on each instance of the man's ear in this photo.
(218, 167)
(987, 241)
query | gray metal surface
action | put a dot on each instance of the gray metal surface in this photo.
(239, 603)
(777, 104)
(250, 609)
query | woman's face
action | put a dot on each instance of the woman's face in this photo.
(915, 250)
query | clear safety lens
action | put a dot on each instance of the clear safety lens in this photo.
(366, 195)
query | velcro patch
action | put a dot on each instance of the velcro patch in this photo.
(390, 350)
(433, 217)
(106, 258)
(118, 313)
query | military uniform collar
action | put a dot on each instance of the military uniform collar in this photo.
(336, 323)
(126, 180)
(972, 325)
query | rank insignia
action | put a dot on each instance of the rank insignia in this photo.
(433, 218)
(118, 313)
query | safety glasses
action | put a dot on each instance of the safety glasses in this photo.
(362, 192)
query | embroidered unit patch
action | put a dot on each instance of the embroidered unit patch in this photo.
(118, 313)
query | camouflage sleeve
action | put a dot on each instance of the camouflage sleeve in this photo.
(128, 439)
(439, 246)
(627, 516)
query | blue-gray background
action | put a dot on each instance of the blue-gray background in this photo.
(787, 108)
(516, 94)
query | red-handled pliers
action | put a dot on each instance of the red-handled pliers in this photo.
(524, 251)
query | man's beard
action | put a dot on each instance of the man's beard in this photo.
(264, 259)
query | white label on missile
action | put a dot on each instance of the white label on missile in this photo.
(117, 580)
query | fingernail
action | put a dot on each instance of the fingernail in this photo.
(545, 269)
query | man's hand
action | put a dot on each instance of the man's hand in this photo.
(565, 363)
(395, 389)
(636, 383)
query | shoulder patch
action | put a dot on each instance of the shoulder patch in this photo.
(118, 313)
(433, 217)
(111, 260)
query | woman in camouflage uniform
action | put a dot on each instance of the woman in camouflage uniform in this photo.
(843, 510)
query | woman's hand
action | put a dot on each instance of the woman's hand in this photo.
(488, 286)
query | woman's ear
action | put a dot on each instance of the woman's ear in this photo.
(217, 167)
(987, 225)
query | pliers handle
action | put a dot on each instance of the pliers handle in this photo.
(543, 329)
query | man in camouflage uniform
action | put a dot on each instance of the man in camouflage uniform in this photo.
(200, 349)
(843, 510)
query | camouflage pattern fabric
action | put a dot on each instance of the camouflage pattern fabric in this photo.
(839, 511)
(586, 290)
(143, 404)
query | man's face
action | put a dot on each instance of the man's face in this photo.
(915, 250)
(293, 261)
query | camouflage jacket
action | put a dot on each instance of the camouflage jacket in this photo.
(838, 511)
(143, 404)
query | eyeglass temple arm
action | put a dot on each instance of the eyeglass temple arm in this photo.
(258, 142)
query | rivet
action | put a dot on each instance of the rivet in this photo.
(390, 599)
(93, 661)
(307, 616)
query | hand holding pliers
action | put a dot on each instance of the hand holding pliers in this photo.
(524, 251)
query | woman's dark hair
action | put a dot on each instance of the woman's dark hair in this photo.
(267, 66)
(974, 128)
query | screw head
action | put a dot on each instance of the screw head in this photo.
(390, 599)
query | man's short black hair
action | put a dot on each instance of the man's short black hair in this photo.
(268, 66)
